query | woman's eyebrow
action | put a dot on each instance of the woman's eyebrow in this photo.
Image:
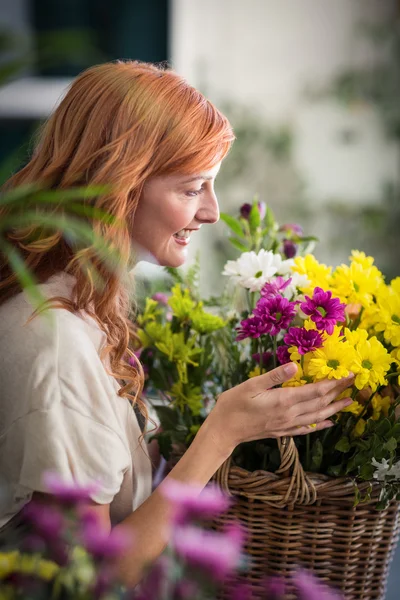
(197, 177)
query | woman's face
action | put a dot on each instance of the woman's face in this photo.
(171, 209)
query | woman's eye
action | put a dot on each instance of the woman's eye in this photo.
(192, 193)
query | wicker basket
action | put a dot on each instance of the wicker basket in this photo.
(309, 520)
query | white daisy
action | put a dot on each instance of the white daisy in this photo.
(253, 270)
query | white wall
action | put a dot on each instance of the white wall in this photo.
(264, 53)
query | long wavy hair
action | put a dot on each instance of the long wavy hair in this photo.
(119, 124)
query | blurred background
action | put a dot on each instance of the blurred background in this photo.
(312, 88)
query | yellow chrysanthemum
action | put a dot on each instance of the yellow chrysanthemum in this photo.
(356, 284)
(26, 564)
(359, 428)
(317, 273)
(333, 361)
(356, 408)
(395, 285)
(388, 316)
(361, 258)
(380, 405)
(372, 363)
(395, 354)
(356, 336)
(255, 372)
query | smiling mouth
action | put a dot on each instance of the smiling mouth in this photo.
(183, 236)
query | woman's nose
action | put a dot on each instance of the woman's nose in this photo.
(209, 210)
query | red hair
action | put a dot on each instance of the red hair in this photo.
(119, 124)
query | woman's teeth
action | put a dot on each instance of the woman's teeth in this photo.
(183, 233)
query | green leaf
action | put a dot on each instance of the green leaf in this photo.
(169, 417)
(343, 445)
(232, 223)
(24, 274)
(335, 470)
(367, 471)
(391, 444)
(235, 242)
(164, 440)
(383, 427)
(254, 217)
(317, 453)
(395, 432)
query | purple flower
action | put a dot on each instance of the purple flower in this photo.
(305, 341)
(309, 588)
(266, 356)
(160, 298)
(216, 553)
(282, 354)
(276, 286)
(192, 501)
(276, 313)
(47, 520)
(324, 310)
(292, 229)
(102, 544)
(252, 327)
(245, 210)
(68, 493)
(289, 248)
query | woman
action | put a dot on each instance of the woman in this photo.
(158, 144)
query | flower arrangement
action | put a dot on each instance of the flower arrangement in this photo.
(282, 305)
(69, 555)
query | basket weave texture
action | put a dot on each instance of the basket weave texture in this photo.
(296, 519)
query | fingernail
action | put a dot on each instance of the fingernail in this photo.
(290, 368)
(349, 401)
(349, 376)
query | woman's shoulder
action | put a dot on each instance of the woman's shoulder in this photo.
(50, 330)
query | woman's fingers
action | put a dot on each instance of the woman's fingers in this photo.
(322, 388)
(305, 429)
(322, 414)
(275, 377)
(313, 406)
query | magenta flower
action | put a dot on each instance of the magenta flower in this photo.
(276, 286)
(305, 341)
(309, 588)
(324, 310)
(252, 327)
(289, 248)
(47, 520)
(245, 210)
(266, 357)
(102, 544)
(282, 354)
(292, 229)
(160, 298)
(192, 501)
(276, 313)
(218, 554)
(68, 493)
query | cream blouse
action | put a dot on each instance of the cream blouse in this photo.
(60, 411)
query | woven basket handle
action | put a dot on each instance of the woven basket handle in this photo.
(301, 489)
(292, 487)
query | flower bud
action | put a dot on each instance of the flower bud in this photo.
(289, 249)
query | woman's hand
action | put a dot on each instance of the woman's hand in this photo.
(254, 409)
